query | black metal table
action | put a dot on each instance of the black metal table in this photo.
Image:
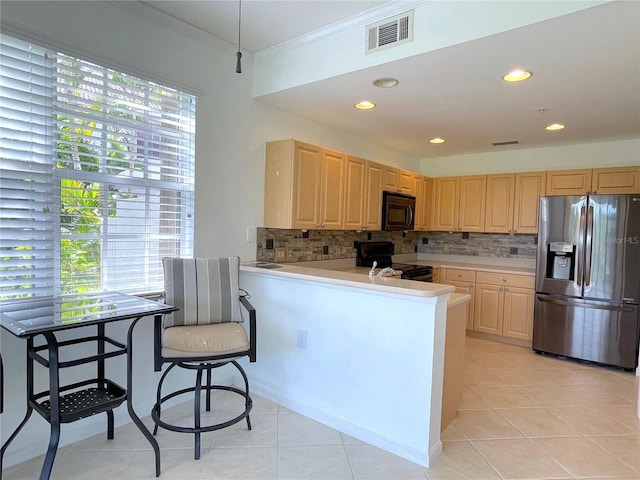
(47, 316)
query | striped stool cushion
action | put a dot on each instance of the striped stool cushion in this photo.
(205, 290)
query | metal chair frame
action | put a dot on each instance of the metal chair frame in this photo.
(202, 364)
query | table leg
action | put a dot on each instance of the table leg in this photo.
(1, 384)
(27, 415)
(54, 405)
(141, 426)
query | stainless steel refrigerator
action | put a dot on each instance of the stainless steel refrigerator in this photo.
(588, 278)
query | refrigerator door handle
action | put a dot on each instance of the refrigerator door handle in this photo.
(589, 248)
(595, 306)
(580, 247)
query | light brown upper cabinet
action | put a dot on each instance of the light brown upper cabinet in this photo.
(424, 185)
(354, 192)
(363, 194)
(397, 180)
(594, 181)
(373, 198)
(390, 178)
(406, 183)
(460, 203)
(304, 186)
(512, 202)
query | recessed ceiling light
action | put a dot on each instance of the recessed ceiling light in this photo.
(365, 105)
(516, 76)
(385, 82)
(554, 126)
(437, 140)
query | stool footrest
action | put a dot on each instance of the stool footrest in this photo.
(155, 412)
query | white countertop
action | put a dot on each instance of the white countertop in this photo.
(341, 272)
(469, 262)
(466, 262)
(345, 272)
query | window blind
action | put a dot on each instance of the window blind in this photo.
(118, 194)
(26, 176)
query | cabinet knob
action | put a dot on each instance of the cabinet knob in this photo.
(501, 288)
(318, 225)
(504, 279)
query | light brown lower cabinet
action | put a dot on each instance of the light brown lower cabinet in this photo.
(465, 282)
(504, 305)
(437, 275)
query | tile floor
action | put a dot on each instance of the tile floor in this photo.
(523, 416)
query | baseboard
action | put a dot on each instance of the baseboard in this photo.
(348, 428)
(499, 338)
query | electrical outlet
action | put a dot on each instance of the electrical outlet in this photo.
(281, 253)
(302, 339)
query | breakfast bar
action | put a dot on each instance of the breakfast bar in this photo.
(361, 354)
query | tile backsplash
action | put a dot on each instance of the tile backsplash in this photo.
(479, 244)
(283, 246)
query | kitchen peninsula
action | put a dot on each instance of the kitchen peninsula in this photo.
(361, 354)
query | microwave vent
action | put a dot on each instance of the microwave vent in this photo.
(390, 32)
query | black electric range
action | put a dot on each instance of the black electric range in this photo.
(381, 252)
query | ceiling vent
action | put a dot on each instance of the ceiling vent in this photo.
(503, 144)
(390, 32)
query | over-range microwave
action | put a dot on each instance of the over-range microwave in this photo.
(398, 211)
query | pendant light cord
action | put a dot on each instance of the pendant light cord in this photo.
(239, 53)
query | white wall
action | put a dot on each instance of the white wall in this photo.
(231, 132)
(436, 25)
(232, 129)
(588, 155)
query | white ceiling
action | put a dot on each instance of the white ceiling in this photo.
(586, 75)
